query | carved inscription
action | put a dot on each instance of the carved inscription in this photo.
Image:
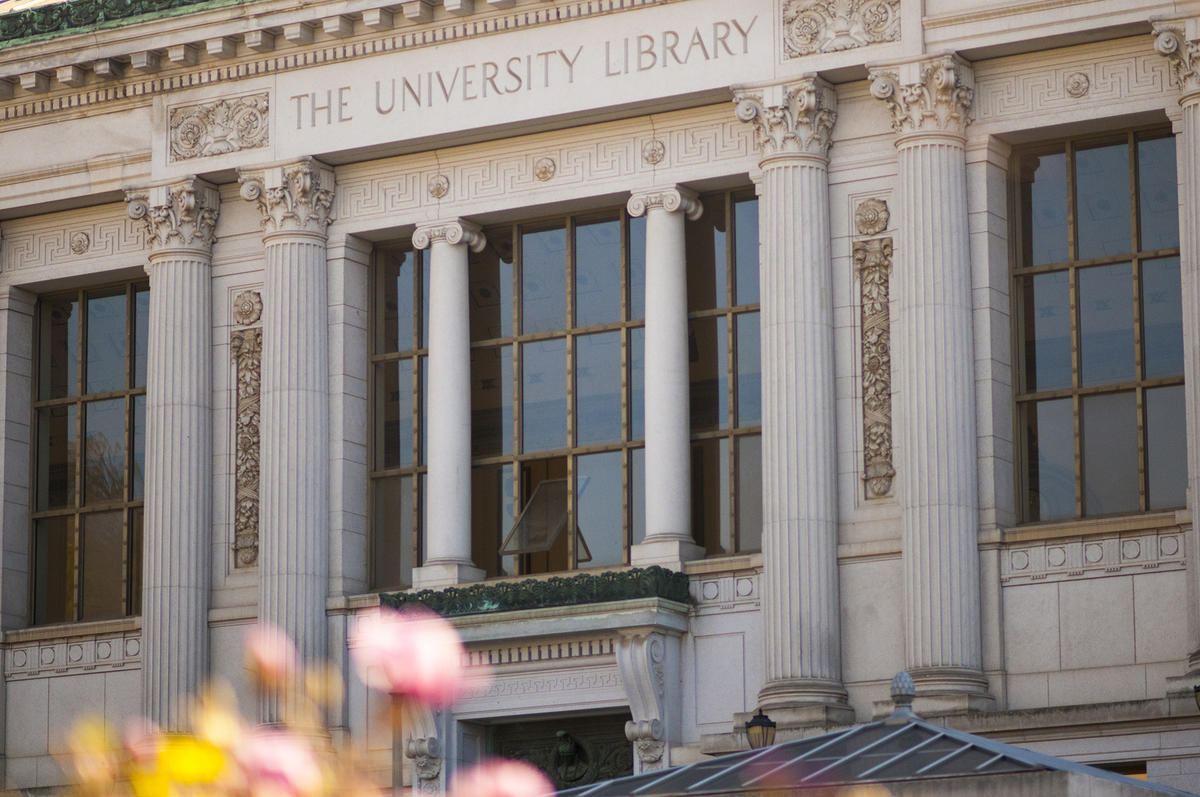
(217, 128)
(873, 262)
(826, 26)
(246, 346)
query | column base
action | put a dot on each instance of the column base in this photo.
(945, 690)
(669, 553)
(436, 575)
(802, 704)
(1181, 696)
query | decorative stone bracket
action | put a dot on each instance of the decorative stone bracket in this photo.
(648, 662)
(425, 748)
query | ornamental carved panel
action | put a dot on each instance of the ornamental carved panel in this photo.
(220, 127)
(245, 343)
(873, 262)
(826, 26)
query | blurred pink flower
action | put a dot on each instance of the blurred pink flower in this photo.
(278, 764)
(499, 777)
(411, 654)
(142, 740)
(271, 654)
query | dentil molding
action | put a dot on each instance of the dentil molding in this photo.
(797, 118)
(297, 197)
(930, 96)
(179, 215)
(826, 26)
(1179, 41)
(220, 127)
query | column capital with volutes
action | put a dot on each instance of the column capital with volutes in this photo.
(794, 119)
(931, 96)
(454, 231)
(672, 199)
(295, 197)
(1179, 41)
(178, 216)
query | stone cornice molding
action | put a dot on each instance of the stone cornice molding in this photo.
(457, 231)
(1179, 42)
(931, 96)
(792, 119)
(181, 215)
(672, 200)
(293, 198)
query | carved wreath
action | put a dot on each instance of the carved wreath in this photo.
(217, 128)
(826, 26)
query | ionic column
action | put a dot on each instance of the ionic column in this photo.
(180, 221)
(668, 540)
(296, 202)
(934, 363)
(448, 414)
(801, 631)
(1179, 41)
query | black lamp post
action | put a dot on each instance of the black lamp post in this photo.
(760, 730)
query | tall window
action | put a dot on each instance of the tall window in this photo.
(1100, 401)
(400, 331)
(726, 375)
(89, 427)
(557, 335)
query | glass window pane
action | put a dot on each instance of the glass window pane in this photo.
(1162, 318)
(598, 496)
(57, 449)
(58, 360)
(106, 339)
(394, 414)
(423, 365)
(141, 335)
(491, 401)
(1106, 324)
(396, 301)
(637, 268)
(1158, 203)
(1050, 459)
(598, 273)
(1044, 201)
(637, 383)
(1166, 447)
(544, 281)
(53, 570)
(104, 451)
(637, 495)
(708, 373)
(491, 276)
(102, 566)
(598, 388)
(424, 258)
(1046, 330)
(493, 512)
(745, 231)
(392, 532)
(1102, 200)
(544, 395)
(1110, 453)
(706, 257)
(133, 558)
(749, 371)
(710, 495)
(749, 493)
(139, 448)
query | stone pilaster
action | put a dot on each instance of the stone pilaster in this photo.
(930, 103)
(668, 540)
(16, 394)
(180, 224)
(801, 630)
(296, 202)
(448, 416)
(1179, 41)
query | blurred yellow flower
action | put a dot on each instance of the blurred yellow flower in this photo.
(187, 761)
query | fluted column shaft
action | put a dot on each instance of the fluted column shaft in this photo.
(178, 479)
(933, 342)
(448, 414)
(800, 608)
(293, 556)
(668, 540)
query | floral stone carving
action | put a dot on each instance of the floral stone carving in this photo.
(826, 26)
(217, 128)
(246, 347)
(873, 261)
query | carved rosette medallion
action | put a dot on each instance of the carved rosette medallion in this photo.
(654, 151)
(245, 344)
(796, 119)
(1182, 53)
(544, 169)
(1078, 84)
(180, 215)
(873, 262)
(826, 26)
(221, 127)
(80, 242)
(672, 200)
(439, 186)
(459, 231)
(296, 198)
(932, 96)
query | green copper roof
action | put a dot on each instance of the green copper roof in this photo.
(31, 20)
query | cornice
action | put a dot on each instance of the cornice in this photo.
(156, 56)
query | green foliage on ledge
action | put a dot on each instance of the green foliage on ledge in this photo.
(76, 16)
(648, 582)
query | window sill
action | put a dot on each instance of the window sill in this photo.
(61, 632)
(1090, 527)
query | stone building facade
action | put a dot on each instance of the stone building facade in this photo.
(872, 322)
